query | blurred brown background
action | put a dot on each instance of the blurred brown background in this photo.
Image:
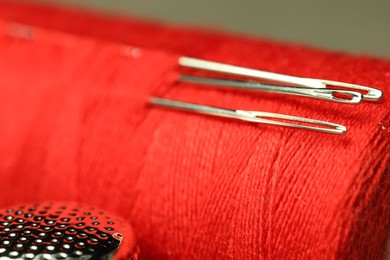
(356, 26)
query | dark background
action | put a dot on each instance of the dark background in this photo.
(355, 26)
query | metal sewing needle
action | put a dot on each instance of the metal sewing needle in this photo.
(254, 116)
(341, 96)
(371, 94)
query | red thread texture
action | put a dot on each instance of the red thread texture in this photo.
(75, 125)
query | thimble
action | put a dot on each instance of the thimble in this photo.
(54, 230)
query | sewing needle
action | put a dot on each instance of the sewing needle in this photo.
(254, 116)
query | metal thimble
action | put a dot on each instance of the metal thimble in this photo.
(64, 231)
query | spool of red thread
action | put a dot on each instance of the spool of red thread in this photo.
(194, 187)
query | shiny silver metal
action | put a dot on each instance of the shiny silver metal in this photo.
(53, 231)
(254, 116)
(341, 96)
(350, 93)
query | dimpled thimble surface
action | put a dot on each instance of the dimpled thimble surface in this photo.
(64, 231)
